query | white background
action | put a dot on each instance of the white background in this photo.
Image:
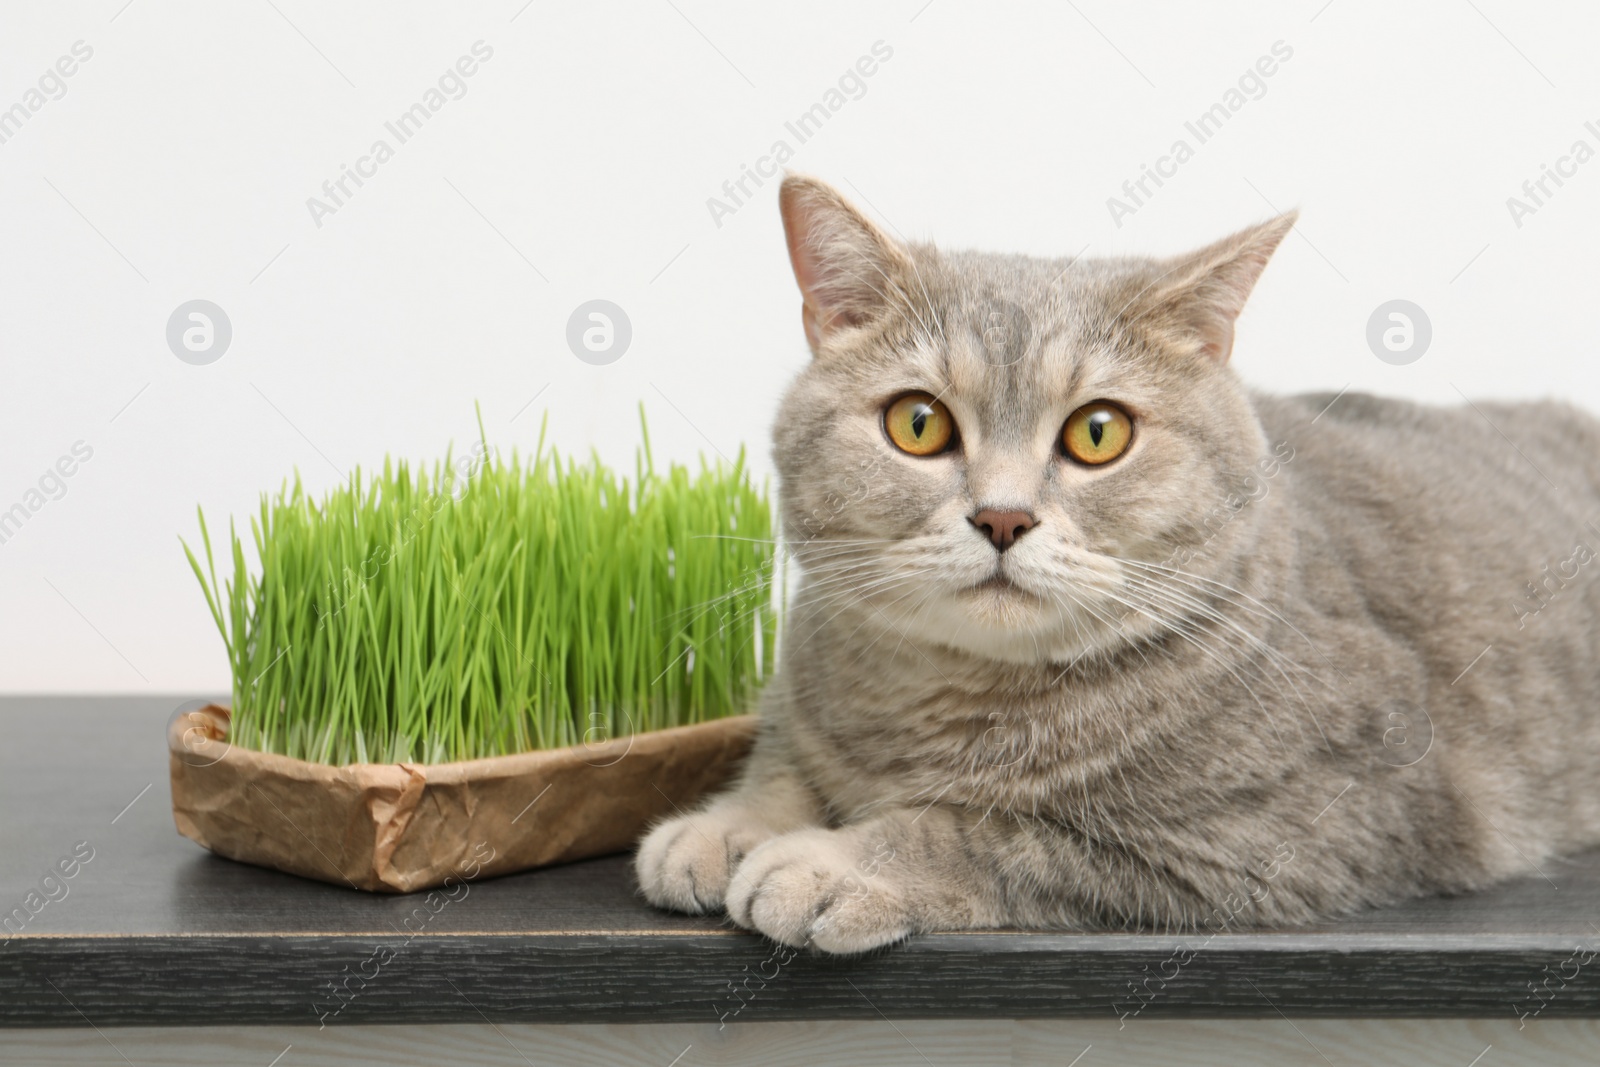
(179, 162)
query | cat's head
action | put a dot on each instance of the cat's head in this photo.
(991, 452)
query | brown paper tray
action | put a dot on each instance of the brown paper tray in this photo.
(401, 827)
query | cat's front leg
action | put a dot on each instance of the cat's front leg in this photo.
(866, 884)
(685, 863)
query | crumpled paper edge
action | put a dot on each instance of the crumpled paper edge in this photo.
(399, 828)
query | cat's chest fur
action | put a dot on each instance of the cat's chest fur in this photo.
(894, 724)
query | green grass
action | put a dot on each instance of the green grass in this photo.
(481, 609)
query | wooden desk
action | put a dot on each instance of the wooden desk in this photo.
(156, 932)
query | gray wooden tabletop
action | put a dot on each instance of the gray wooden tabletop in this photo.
(152, 929)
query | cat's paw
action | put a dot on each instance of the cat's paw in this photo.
(820, 887)
(685, 863)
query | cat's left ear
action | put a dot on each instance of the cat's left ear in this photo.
(1202, 293)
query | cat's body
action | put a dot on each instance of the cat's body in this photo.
(1267, 665)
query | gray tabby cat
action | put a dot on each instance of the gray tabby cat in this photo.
(1092, 635)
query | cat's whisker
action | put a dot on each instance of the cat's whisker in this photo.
(1274, 657)
(810, 558)
(1275, 615)
(1198, 587)
(736, 537)
(1206, 586)
(1194, 603)
(853, 595)
(919, 588)
(927, 604)
(848, 591)
(1243, 654)
(1185, 605)
(903, 553)
(1108, 621)
(823, 541)
(1188, 634)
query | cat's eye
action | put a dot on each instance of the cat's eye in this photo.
(919, 424)
(1097, 433)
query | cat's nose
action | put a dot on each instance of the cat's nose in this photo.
(1003, 527)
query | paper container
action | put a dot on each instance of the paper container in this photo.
(401, 827)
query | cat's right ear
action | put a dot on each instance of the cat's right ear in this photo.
(844, 264)
(1196, 302)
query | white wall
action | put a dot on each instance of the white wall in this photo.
(179, 161)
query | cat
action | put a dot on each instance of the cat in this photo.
(1090, 635)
